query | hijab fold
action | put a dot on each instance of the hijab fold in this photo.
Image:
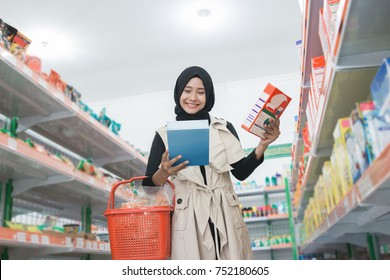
(182, 81)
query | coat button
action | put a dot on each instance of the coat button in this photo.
(179, 201)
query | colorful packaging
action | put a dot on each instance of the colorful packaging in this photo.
(364, 148)
(33, 62)
(328, 185)
(271, 103)
(7, 34)
(380, 89)
(318, 70)
(354, 157)
(378, 134)
(19, 46)
(342, 126)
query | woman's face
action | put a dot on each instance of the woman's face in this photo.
(193, 98)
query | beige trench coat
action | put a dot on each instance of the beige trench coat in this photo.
(196, 202)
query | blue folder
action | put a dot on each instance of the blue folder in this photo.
(189, 139)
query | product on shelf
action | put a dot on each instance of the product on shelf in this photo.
(86, 166)
(72, 94)
(33, 62)
(71, 228)
(323, 35)
(106, 121)
(380, 89)
(271, 103)
(7, 34)
(19, 46)
(330, 15)
(330, 186)
(341, 153)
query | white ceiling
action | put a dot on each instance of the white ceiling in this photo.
(118, 48)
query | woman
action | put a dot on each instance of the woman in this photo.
(207, 222)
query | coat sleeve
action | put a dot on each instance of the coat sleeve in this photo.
(244, 167)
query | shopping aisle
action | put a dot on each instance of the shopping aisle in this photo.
(342, 146)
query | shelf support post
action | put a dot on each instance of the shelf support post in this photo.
(291, 220)
(7, 215)
(373, 248)
(350, 251)
(86, 214)
(4, 254)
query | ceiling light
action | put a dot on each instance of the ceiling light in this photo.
(204, 13)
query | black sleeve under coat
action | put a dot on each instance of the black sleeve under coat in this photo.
(241, 169)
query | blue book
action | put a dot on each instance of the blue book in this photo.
(189, 139)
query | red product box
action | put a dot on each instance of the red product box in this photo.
(271, 103)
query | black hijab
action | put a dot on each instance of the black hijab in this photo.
(181, 82)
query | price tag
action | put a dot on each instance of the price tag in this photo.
(346, 205)
(35, 238)
(107, 246)
(364, 186)
(108, 188)
(10, 58)
(45, 239)
(92, 180)
(79, 242)
(94, 245)
(12, 144)
(21, 236)
(68, 242)
(27, 71)
(101, 246)
(75, 107)
(59, 95)
(42, 83)
(90, 119)
(88, 244)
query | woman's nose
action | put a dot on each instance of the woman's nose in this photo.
(193, 96)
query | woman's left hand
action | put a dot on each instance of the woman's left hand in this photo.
(273, 132)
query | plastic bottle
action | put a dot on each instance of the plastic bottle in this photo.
(279, 180)
(267, 182)
(273, 180)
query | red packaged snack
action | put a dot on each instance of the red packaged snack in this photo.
(19, 46)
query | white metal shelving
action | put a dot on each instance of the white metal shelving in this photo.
(39, 180)
(361, 42)
(260, 225)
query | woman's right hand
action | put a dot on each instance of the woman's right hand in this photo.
(167, 169)
(167, 165)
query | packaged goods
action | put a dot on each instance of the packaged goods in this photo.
(144, 196)
(7, 34)
(19, 46)
(271, 103)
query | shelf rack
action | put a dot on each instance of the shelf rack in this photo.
(34, 181)
(361, 42)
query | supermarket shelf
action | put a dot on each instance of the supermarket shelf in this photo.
(337, 101)
(313, 169)
(266, 218)
(311, 45)
(362, 41)
(24, 244)
(298, 153)
(365, 209)
(273, 247)
(50, 182)
(261, 191)
(358, 49)
(47, 111)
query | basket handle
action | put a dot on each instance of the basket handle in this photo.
(111, 199)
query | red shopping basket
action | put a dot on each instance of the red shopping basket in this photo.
(141, 233)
